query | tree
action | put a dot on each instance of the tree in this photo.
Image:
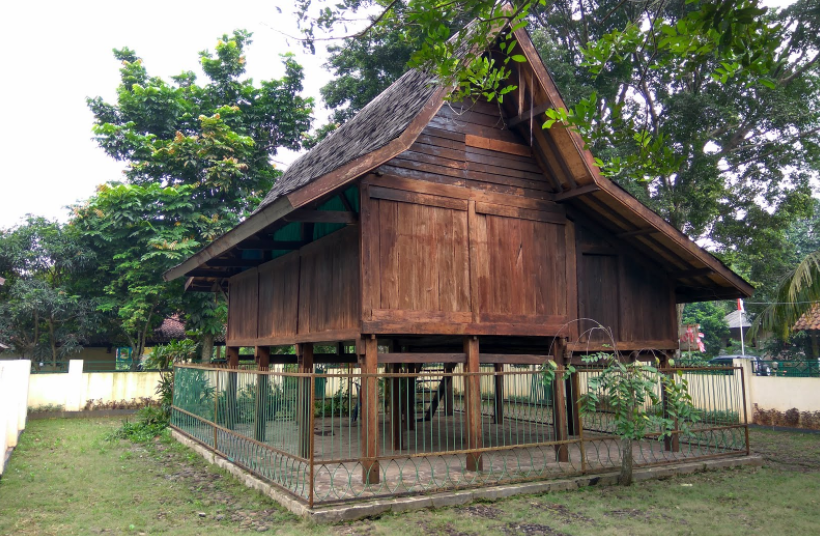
(41, 314)
(199, 159)
(798, 292)
(642, 399)
(137, 232)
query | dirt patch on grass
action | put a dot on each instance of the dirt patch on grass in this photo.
(481, 510)
(209, 489)
(636, 514)
(562, 512)
(361, 528)
(531, 529)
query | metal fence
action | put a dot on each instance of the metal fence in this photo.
(809, 368)
(307, 434)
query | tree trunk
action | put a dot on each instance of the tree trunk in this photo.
(207, 347)
(53, 342)
(625, 478)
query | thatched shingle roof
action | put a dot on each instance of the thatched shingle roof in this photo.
(377, 124)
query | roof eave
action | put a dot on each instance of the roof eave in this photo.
(255, 223)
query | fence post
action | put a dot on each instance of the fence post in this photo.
(260, 414)
(472, 404)
(368, 350)
(75, 391)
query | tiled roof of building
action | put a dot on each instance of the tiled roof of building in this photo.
(810, 321)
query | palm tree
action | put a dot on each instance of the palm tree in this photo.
(795, 295)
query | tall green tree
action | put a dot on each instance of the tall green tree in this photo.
(137, 232)
(199, 159)
(42, 314)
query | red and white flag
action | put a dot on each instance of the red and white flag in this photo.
(740, 306)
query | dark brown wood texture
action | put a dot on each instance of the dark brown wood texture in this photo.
(279, 297)
(459, 236)
(242, 305)
(309, 295)
(329, 284)
(633, 299)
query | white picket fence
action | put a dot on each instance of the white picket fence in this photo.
(14, 378)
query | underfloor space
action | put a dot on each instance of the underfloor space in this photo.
(433, 456)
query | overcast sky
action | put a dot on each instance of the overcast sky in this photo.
(58, 53)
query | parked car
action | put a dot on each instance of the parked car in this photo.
(759, 367)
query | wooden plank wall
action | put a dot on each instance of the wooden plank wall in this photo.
(242, 305)
(458, 236)
(309, 295)
(633, 299)
(471, 150)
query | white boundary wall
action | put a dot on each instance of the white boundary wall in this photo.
(73, 389)
(779, 393)
(14, 383)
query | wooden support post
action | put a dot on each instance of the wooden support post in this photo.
(498, 410)
(472, 403)
(370, 411)
(260, 413)
(573, 387)
(409, 400)
(670, 444)
(449, 395)
(396, 408)
(559, 403)
(304, 402)
(230, 387)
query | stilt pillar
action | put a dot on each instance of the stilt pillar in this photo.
(304, 397)
(368, 357)
(559, 403)
(498, 410)
(472, 405)
(260, 413)
(230, 387)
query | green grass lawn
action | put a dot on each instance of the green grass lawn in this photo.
(66, 478)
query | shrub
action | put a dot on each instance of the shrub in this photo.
(151, 422)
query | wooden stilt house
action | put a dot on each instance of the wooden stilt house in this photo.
(424, 231)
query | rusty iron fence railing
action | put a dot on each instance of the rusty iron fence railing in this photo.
(307, 433)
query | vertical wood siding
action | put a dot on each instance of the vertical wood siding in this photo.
(311, 291)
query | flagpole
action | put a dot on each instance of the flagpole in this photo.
(740, 310)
